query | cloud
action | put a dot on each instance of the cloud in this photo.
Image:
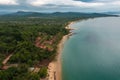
(8, 2)
(61, 5)
(84, 0)
(116, 3)
(75, 3)
(78, 5)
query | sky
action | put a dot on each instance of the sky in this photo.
(60, 5)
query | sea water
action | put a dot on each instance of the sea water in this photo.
(93, 52)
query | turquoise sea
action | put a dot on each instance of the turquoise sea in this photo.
(93, 52)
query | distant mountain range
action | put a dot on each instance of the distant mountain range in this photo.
(112, 12)
(55, 14)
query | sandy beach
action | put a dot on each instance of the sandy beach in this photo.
(54, 67)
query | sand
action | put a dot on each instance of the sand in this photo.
(54, 67)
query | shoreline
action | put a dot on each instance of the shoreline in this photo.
(55, 67)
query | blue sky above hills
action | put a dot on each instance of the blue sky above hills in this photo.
(60, 5)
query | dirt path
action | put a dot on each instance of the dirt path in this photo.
(7, 59)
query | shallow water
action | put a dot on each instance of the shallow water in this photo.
(93, 53)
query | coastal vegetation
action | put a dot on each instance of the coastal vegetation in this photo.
(28, 42)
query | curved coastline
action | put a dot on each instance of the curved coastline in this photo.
(55, 67)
